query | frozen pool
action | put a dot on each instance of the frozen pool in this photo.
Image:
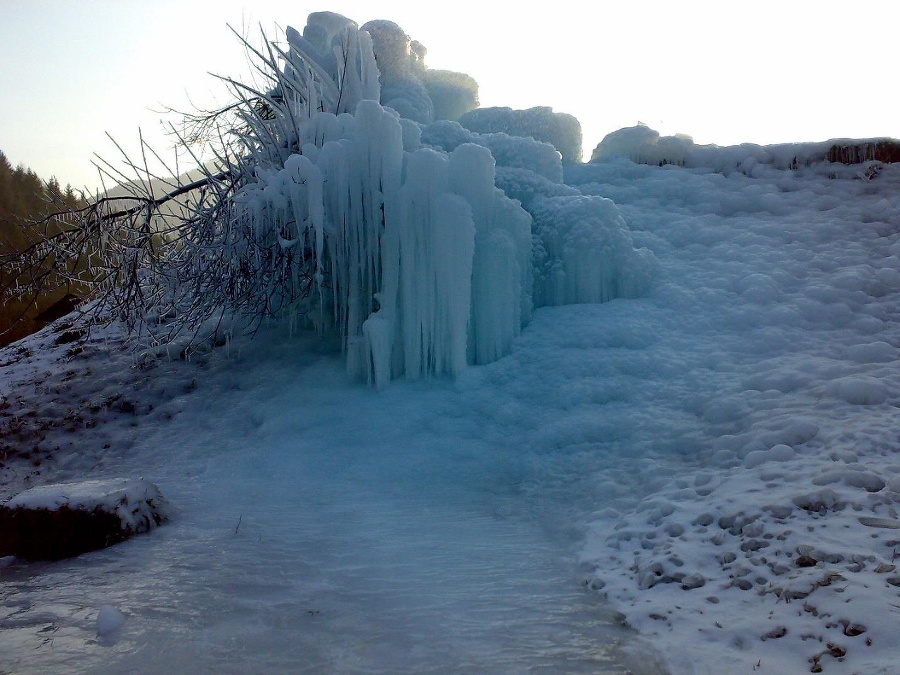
(364, 533)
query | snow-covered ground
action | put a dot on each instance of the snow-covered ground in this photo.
(714, 462)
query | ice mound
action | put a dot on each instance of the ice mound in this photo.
(561, 130)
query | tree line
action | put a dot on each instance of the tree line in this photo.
(25, 201)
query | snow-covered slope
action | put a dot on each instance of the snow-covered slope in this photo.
(715, 460)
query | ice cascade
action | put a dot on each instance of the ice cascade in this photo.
(421, 263)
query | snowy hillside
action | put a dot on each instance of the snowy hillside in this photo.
(715, 460)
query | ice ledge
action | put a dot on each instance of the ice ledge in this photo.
(64, 520)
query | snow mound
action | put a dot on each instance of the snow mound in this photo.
(585, 253)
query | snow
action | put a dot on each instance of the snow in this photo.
(644, 145)
(668, 445)
(780, 536)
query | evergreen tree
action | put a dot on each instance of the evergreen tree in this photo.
(24, 201)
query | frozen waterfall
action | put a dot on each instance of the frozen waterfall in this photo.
(423, 264)
(407, 246)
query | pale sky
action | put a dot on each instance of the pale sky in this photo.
(723, 72)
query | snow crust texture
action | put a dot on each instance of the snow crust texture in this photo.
(774, 547)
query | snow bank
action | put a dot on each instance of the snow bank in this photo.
(767, 535)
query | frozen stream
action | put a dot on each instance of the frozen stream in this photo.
(322, 528)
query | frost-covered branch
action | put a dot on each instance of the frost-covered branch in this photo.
(166, 254)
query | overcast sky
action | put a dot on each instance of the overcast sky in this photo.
(722, 72)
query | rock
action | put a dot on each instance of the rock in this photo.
(820, 501)
(885, 150)
(693, 581)
(64, 520)
(885, 523)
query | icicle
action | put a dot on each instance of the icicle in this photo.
(378, 330)
(501, 278)
(427, 269)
